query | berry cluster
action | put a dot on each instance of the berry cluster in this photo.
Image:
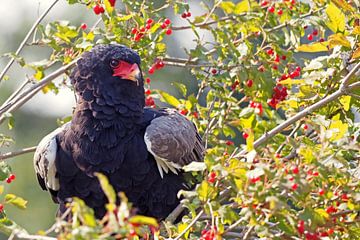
(98, 9)
(280, 93)
(208, 234)
(310, 235)
(183, 111)
(159, 64)
(139, 33)
(149, 100)
(186, 15)
(271, 9)
(10, 178)
(166, 24)
(258, 107)
(212, 177)
(315, 33)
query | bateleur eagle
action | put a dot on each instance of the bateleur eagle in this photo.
(141, 150)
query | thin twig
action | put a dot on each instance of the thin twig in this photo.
(190, 225)
(17, 153)
(340, 92)
(28, 93)
(28, 35)
(207, 23)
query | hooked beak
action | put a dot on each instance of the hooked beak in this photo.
(128, 71)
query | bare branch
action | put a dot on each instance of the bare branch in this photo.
(28, 35)
(17, 153)
(31, 91)
(190, 225)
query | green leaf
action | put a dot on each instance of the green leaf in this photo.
(195, 167)
(206, 191)
(182, 88)
(15, 200)
(107, 188)
(336, 17)
(166, 97)
(144, 220)
(5, 170)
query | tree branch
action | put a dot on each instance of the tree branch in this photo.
(31, 91)
(17, 153)
(28, 35)
(343, 89)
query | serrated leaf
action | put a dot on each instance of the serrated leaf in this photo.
(166, 97)
(144, 220)
(206, 191)
(106, 187)
(336, 17)
(338, 39)
(195, 167)
(16, 201)
(314, 47)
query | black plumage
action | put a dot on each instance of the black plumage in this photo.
(106, 135)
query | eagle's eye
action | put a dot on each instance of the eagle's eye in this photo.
(114, 63)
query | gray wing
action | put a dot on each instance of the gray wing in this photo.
(173, 141)
(44, 161)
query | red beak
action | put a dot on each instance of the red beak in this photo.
(127, 71)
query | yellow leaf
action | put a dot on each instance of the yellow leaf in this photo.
(228, 6)
(45, 89)
(314, 47)
(338, 130)
(356, 53)
(108, 6)
(39, 75)
(243, 6)
(356, 30)
(144, 220)
(336, 18)
(182, 227)
(250, 141)
(345, 101)
(290, 81)
(322, 213)
(343, 5)
(338, 39)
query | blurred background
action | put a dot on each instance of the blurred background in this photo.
(38, 117)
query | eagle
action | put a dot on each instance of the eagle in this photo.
(141, 150)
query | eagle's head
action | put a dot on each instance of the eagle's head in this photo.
(110, 75)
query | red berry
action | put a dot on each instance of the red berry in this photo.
(147, 91)
(291, 178)
(134, 31)
(151, 70)
(264, 3)
(270, 51)
(280, 12)
(229, 143)
(277, 58)
(310, 37)
(213, 174)
(138, 37)
(261, 68)
(306, 26)
(188, 14)
(249, 83)
(283, 57)
(8, 180)
(245, 135)
(323, 234)
(149, 101)
(142, 29)
(12, 176)
(163, 26)
(213, 71)
(272, 102)
(83, 26)
(298, 69)
(295, 170)
(305, 127)
(275, 67)
(184, 15)
(112, 2)
(344, 197)
(271, 9)
(259, 109)
(321, 40)
(196, 114)
(278, 155)
(148, 26)
(183, 111)
(331, 209)
(149, 21)
(315, 174)
(330, 231)
(168, 32)
(97, 9)
(1, 207)
(167, 21)
(254, 180)
(301, 227)
(321, 191)
(294, 186)
(211, 180)
(147, 80)
(293, 2)
(159, 64)
(315, 32)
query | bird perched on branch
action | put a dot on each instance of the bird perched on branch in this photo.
(141, 150)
